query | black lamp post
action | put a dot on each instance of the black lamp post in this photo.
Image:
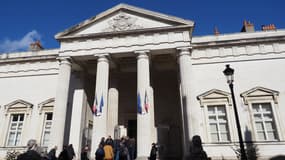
(229, 73)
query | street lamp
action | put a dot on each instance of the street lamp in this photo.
(229, 73)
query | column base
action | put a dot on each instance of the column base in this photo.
(142, 158)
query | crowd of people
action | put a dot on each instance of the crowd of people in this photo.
(108, 149)
(34, 152)
(118, 149)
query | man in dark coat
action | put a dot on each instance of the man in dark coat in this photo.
(70, 151)
(124, 153)
(84, 153)
(153, 152)
(100, 154)
(31, 153)
(52, 154)
(63, 154)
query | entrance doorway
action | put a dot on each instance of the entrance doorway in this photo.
(132, 129)
(127, 86)
(168, 118)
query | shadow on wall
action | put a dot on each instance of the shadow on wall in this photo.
(185, 122)
(251, 148)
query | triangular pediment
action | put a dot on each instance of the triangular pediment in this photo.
(47, 103)
(123, 18)
(213, 94)
(18, 104)
(259, 91)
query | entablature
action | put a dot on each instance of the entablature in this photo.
(125, 44)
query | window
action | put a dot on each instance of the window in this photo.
(264, 121)
(46, 129)
(218, 123)
(46, 115)
(17, 113)
(15, 129)
(263, 110)
(217, 112)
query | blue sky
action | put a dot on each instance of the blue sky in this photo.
(23, 21)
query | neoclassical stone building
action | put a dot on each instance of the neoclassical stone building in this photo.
(150, 79)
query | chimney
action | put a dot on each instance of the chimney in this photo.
(216, 31)
(270, 27)
(36, 46)
(247, 26)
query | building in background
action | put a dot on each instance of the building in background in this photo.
(143, 74)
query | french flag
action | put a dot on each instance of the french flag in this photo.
(146, 102)
(101, 104)
(94, 108)
(139, 104)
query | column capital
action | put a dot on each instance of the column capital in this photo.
(184, 51)
(102, 57)
(142, 53)
(65, 60)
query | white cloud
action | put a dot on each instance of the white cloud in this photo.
(20, 44)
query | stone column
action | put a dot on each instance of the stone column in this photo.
(145, 123)
(190, 127)
(151, 111)
(78, 120)
(113, 110)
(61, 98)
(101, 96)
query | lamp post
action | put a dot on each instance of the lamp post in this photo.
(229, 73)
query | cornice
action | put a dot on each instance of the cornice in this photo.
(128, 32)
(236, 42)
(238, 39)
(30, 58)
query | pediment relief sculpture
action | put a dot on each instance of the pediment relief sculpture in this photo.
(122, 22)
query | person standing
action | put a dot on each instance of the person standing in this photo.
(110, 141)
(63, 154)
(153, 151)
(108, 150)
(84, 153)
(70, 151)
(52, 153)
(124, 153)
(100, 154)
(102, 142)
(132, 148)
(31, 153)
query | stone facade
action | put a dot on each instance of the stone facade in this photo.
(145, 72)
